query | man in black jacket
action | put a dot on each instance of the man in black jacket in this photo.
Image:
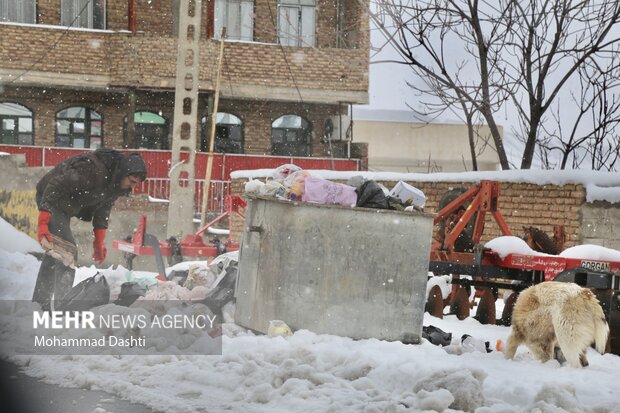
(83, 186)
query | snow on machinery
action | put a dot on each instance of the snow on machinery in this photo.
(456, 251)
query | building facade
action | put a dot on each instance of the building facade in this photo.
(101, 73)
(399, 143)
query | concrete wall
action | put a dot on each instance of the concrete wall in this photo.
(420, 147)
(600, 224)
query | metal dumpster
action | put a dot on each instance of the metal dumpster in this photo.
(353, 272)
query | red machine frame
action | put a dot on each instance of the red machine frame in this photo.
(192, 245)
(488, 268)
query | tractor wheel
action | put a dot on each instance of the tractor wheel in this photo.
(506, 319)
(486, 307)
(460, 304)
(434, 302)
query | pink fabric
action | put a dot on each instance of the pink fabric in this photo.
(326, 192)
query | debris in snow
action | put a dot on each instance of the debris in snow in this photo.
(278, 328)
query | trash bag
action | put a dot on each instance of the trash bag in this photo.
(371, 195)
(436, 335)
(92, 292)
(326, 192)
(223, 291)
(471, 344)
(130, 292)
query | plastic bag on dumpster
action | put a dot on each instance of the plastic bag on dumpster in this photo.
(371, 195)
(326, 192)
(92, 292)
(295, 184)
(282, 171)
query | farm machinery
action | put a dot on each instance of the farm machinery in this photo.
(142, 243)
(456, 251)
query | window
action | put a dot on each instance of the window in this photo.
(296, 22)
(151, 131)
(79, 127)
(238, 18)
(228, 134)
(89, 14)
(18, 11)
(15, 124)
(291, 135)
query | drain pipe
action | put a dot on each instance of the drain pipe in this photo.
(132, 21)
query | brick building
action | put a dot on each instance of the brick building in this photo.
(90, 73)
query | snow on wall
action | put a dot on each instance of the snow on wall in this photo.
(586, 203)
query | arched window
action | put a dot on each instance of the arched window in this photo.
(291, 135)
(79, 127)
(15, 124)
(228, 134)
(151, 131)
(296, 22)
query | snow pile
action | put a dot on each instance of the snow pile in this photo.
(510, 245)
(443, 281)
(591, 252)
(308, 372)
(12, 240)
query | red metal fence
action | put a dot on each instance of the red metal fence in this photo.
(158, 163)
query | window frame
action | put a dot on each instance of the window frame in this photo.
(25, 11)
(69, 14)
(161, 139)
(223, 143)
(302, 144)
(301, 35)
(16, 134)
(86, 134)
(245, 14)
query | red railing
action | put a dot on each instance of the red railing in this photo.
(158, 162)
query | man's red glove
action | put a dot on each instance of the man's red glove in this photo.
(42, 226)
(99, 250)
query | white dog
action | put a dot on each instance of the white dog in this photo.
(557, 314)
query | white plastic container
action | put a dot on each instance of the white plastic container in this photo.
(406, 192)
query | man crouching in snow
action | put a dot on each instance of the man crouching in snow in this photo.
(83, 186)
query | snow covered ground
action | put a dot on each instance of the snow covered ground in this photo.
(307, 372)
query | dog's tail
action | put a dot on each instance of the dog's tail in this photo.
(600, 337)
(601, 328)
